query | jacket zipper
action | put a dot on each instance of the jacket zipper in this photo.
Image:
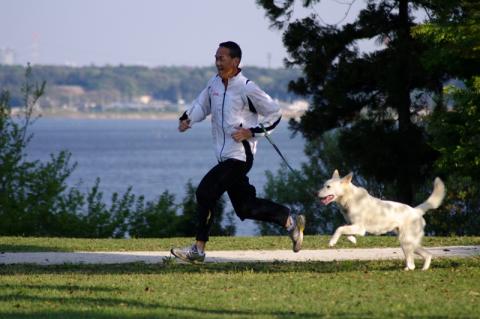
(223, 129)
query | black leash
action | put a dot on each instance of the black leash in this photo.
(297, 175)
(278, 151)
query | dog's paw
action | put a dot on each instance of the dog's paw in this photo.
(331, 244)
(352, 239)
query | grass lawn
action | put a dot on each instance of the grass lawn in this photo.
(346, 289)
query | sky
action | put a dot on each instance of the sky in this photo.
(146, 32)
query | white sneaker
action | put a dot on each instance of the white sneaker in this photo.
(189, 254)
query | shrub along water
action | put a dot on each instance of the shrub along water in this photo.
(35, 199)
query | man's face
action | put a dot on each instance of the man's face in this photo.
(226, 65)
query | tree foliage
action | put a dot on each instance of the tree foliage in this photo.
(378, 103)
(456, 135)
(454, 38)
(373, 97)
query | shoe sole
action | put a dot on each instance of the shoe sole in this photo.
(185, 259)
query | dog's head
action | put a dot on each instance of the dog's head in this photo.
(334, 188)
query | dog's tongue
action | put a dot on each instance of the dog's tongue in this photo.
(327, 199)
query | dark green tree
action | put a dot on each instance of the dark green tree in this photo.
(374, 99)
(378, 105)
(453, 36)
(456, 135)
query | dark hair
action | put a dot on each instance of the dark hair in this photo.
(235, 51)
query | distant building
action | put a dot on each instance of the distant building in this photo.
(7, 56)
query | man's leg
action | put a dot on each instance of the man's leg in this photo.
(212, 186)
(248, 206)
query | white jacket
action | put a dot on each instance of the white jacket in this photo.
(240, 104)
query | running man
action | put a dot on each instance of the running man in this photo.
(240, 112)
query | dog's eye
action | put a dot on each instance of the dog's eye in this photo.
(328, 186)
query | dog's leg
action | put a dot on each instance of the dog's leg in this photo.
(409, 259)
(352, 239)
(346, 230)
(425, 255)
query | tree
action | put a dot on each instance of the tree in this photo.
(374, 98)
(453, 36)
(358, 96)
(456, 135)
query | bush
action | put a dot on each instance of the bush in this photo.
(36, 201)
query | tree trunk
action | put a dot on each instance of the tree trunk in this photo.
(402, 98)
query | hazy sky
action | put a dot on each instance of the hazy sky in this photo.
(145, 32)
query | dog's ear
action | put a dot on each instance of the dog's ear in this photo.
(336, 175)
(347, 179)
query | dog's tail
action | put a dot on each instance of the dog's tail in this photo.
(435, 198)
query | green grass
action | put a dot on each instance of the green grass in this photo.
(346, 289)
(9, 244)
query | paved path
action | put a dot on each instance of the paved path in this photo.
(55, 258)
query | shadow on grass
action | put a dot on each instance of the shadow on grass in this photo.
(258, 267)
(126, 308)
(156, 310)
(278, 315)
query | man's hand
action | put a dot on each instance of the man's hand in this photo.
(241, 134)
(184, 125)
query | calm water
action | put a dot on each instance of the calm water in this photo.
(149, 155)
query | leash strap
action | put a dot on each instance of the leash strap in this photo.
(284, 159)
(278, 151)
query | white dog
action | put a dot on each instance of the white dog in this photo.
(366, 213)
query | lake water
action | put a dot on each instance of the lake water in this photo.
(150, 155)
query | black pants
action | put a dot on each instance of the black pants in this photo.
(231, 176)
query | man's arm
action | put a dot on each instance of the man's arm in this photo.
(265, 106)
(197, 112)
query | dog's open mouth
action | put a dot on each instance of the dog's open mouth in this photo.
(327, 199)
